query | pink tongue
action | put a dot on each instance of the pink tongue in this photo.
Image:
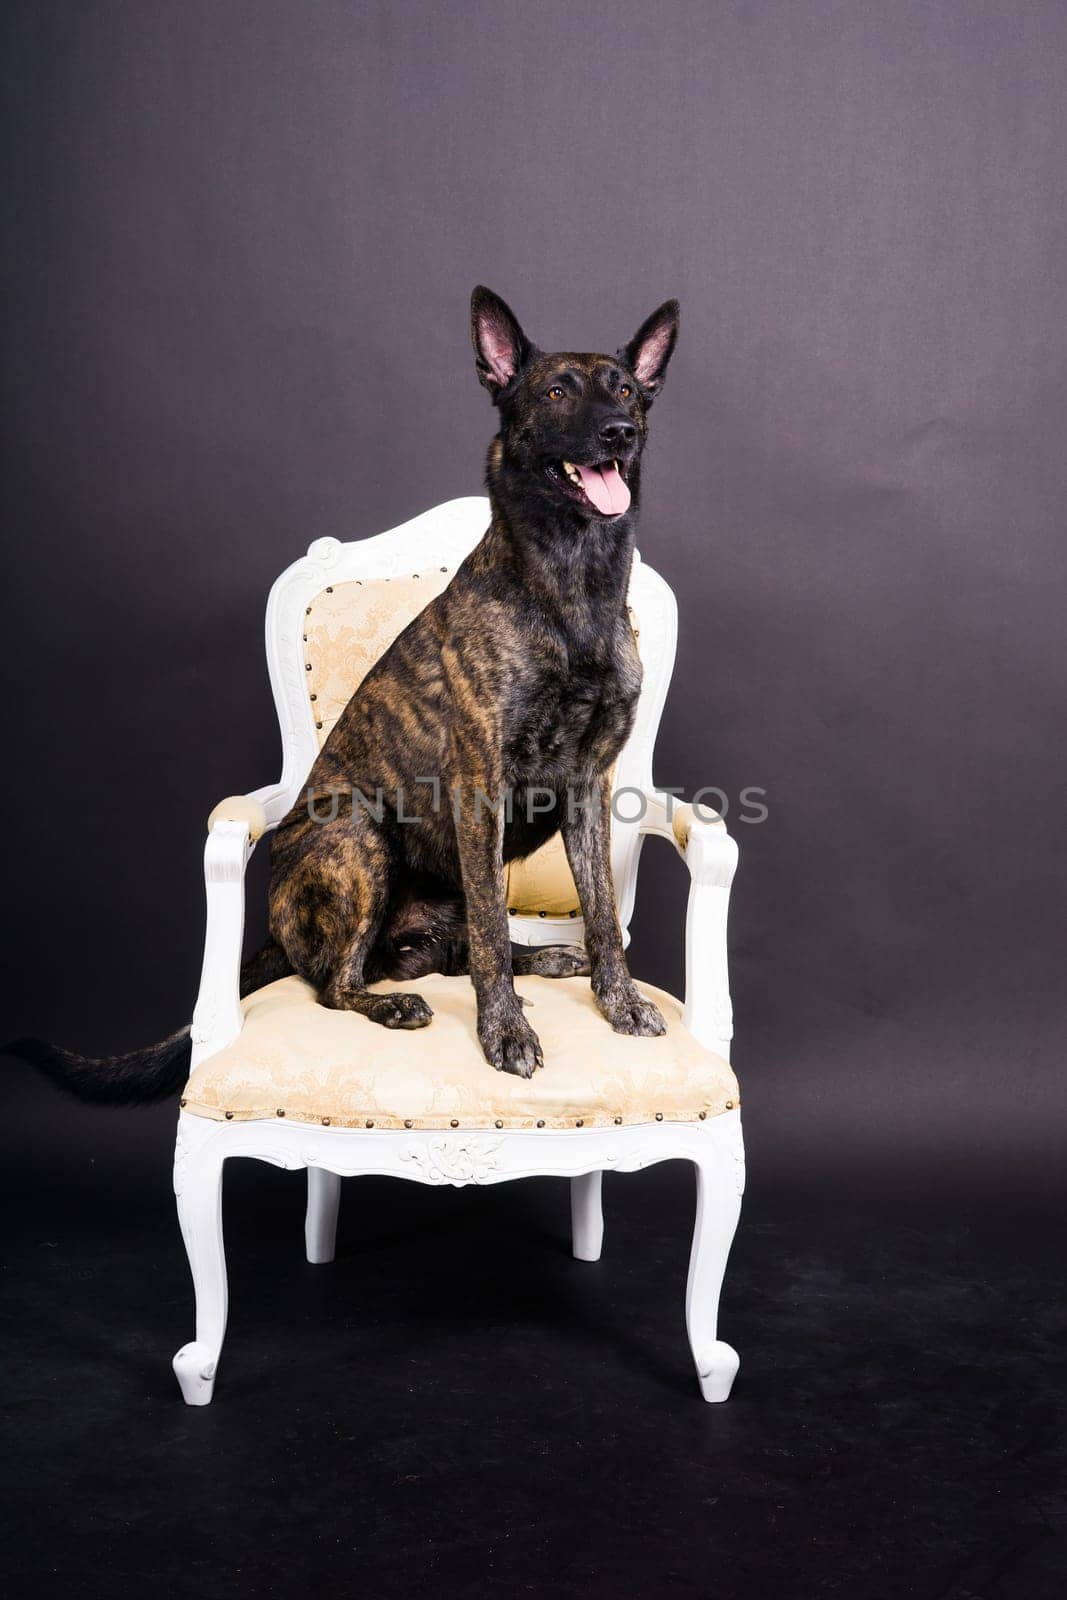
(606, 489)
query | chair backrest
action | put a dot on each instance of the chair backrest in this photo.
(332, 614)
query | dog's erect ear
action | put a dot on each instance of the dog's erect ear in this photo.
(652, 346)
(500, 346)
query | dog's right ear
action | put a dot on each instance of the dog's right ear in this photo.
(500, 346)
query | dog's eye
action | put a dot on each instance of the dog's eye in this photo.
(625, 391)
(556, 393)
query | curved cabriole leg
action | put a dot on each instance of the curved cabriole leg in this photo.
(198, 1187)
(587, 1216)
(320, 1224)
(718, 1208)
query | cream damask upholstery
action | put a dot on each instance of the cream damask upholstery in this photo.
(241, 808)
(542, 883)
(296, 1059)
(347, 628)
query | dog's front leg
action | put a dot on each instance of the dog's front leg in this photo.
(507, 1040)
(586, 833)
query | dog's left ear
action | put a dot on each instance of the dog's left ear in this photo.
(651, 348)
(500, 346)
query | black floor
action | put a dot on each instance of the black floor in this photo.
(457, 1408)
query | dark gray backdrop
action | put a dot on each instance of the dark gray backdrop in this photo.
(241, 240)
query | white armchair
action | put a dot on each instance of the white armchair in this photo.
(278, 1078)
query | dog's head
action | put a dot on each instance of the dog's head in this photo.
(572, 426)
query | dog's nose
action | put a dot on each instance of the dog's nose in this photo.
(618, 433)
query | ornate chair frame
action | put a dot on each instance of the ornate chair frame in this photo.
(446, 1156)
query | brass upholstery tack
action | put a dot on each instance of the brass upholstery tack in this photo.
(455, 1123)
(659, 1116)
(540, 1124)
(229, 1116)
(280, 1113)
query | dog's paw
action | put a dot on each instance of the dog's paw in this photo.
(512, 1046)
(399, 1010)
(556, 961)
(629, 1012)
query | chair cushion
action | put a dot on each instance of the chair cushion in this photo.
(295, 1057)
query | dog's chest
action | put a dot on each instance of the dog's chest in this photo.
(568, 712)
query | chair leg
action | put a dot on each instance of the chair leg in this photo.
(199, 1195)
(320, 1224)
(587, 1216)
(718, 1209)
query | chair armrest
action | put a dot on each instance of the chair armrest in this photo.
(241, 808)
(711, 856)
(217, 1016)
(233, 829)
(263, 809)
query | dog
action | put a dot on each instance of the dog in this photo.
(517, 683)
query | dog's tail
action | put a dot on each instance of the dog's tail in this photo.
(141, 1076)
(136, 1078)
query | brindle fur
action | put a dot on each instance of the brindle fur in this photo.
(521, 678)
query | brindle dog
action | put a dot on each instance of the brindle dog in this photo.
(492, 720)
(516, 687)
